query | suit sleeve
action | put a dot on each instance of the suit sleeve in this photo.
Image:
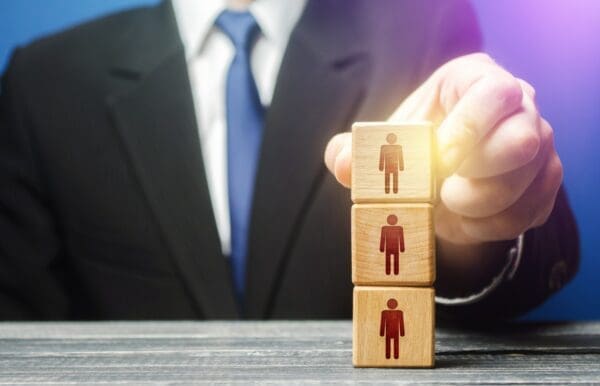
(550, 260)
(29, 244)
(551, 252)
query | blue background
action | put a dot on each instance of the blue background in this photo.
(553, 44)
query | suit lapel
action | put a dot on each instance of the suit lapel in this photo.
(156, 121)
(319, 89)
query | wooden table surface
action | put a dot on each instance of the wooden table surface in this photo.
(284, 352)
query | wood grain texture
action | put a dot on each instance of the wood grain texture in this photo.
(285, 353)
(371, 307)
(415, 142)
(416, 265)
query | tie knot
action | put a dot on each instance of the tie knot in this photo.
(240, 27)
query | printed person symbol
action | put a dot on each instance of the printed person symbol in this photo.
(392, 243)
(392, 327)
(391, 162)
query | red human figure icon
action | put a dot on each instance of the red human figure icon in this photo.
(391, 162)
(392, 327)
(392, 243)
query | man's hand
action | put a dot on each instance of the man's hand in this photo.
(496, 152)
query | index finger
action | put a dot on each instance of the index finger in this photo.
(488, 100)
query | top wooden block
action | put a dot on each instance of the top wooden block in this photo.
(392, 162)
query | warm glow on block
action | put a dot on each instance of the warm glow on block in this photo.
(392, 162)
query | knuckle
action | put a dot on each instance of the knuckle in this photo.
(554, 180)
(555, 171)
(508, 90)
(546, 132)
(528, 88)
(545, 216)
(526, 145)
(532, 92)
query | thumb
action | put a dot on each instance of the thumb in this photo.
(338, 157)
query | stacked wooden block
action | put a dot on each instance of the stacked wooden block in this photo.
(393, 244)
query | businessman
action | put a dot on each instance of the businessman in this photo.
(167, 162)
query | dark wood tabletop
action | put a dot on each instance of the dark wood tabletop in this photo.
(285, 352)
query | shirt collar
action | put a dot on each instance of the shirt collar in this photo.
(196, 18)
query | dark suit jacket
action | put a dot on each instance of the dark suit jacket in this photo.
(104, 206)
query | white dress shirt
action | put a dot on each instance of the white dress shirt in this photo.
(209, 53)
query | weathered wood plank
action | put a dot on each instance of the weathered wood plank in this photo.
(283, 352)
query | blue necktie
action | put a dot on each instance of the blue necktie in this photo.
(245, 115)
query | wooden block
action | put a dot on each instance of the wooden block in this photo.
(392, 162)
(393, 244)
(383, 313)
